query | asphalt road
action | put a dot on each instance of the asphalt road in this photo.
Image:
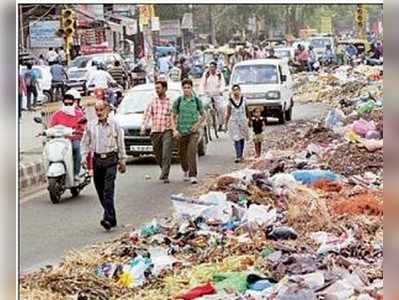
(47, 230)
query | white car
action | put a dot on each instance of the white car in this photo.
(81, 66)
(130, 114)
(44, 83)
(266, 83)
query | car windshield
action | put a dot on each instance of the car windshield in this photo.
(258, 74)
(320, 43)
(136, 102)
(80, 62)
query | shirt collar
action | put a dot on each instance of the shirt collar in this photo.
(159, 99)
(107, 122)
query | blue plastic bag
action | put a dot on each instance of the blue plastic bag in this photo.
(310, 176)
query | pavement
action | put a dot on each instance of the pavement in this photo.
(47, 231)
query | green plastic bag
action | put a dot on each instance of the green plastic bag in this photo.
(234, 281)
(367, 107)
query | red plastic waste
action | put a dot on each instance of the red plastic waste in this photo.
(201, 290)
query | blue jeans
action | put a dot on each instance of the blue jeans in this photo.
(77, 157)
(239, 147)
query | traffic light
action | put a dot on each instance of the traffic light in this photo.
(67, 23)
(360, 16)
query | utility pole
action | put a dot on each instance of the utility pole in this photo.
(21, 28)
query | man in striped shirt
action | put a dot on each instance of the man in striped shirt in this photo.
(118, 73)
(159, 112)
(105, 139)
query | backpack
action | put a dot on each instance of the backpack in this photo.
(179, 102)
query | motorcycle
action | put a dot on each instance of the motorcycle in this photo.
(58, 161)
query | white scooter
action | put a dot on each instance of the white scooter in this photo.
(58, 161)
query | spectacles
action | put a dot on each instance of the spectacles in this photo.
(68, 103)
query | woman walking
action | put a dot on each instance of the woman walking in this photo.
(237, 121)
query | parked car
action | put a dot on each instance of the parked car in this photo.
(266, 83)
(44, 82)
(130, 114)
(80, 67)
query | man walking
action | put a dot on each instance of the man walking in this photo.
(188, 115)
(212, 85)
(59, 76)
(31, 78)
(159, 112)
(104, 137)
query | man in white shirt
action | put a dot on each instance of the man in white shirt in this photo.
(51, 56)
(164, 65)
(62, 56)
(99, 78)
(212, 85)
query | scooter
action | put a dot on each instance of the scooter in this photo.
(58, 161)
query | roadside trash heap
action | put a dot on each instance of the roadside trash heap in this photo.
(303, 222)
(342, 85)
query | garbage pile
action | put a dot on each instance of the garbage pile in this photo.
(342, 86)
(283, 228)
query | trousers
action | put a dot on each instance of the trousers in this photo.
(239, 148)
(77, 157)
(104, 175)
(31, 90)
(162, 144)
(188, 145)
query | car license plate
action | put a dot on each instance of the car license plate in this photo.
(141, 148)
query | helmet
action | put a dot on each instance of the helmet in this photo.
(74, 93)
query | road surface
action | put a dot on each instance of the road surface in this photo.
(47, 230)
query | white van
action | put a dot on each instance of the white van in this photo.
(266, 83)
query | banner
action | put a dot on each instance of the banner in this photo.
(43, 34)
(326, 25)
(90, 13)
(146, 13)
(170, 28)
(155, 25)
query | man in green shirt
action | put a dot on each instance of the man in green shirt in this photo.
(188, 115)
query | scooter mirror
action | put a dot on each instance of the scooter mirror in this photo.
(38, 120)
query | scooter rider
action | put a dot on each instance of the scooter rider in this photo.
(212, 85)
(68, 115)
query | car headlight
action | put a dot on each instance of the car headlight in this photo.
(273, 95)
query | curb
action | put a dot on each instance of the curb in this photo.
(31, 174)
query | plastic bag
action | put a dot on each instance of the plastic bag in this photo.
(334, 118)
(134, 271)
(281, 233)
(367, 107)
(201, 290)
(160, 260)
(330, 243)
(353, 137)
(310, 176)
(281, 182)
(372, 145)
(234, 281)
(260, 215)
(149, 229)
(361, 127)
(373, 134)
(312, 280)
